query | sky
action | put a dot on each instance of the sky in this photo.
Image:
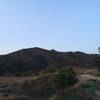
(63, 25)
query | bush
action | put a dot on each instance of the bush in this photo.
(64, 78)
(97, 63)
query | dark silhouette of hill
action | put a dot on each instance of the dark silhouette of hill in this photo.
(37, 59)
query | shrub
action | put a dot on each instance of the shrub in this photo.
(97, 63)
(64, 78)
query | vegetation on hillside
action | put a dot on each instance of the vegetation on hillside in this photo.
(51, 76)
(64, 78)
(97, 63)
(29, 61)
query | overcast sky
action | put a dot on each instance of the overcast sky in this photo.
(64, 25)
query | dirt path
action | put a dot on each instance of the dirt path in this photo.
(86, 77)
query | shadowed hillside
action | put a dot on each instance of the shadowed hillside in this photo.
(37, 59)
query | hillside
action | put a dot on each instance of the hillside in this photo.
(37, 59)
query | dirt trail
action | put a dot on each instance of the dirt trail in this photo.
(86, 77)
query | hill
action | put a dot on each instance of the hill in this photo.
(37, 59)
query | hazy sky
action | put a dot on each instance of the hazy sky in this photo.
(65, 25)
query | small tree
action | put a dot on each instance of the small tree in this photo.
(65, 77)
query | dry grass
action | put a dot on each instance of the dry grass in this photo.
(81, 70)
(11, 80)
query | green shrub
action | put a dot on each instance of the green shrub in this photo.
(64, 78)
(97, 63)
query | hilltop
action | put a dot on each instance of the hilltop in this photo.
(36, 59)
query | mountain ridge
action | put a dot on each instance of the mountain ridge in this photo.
(37, 59)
